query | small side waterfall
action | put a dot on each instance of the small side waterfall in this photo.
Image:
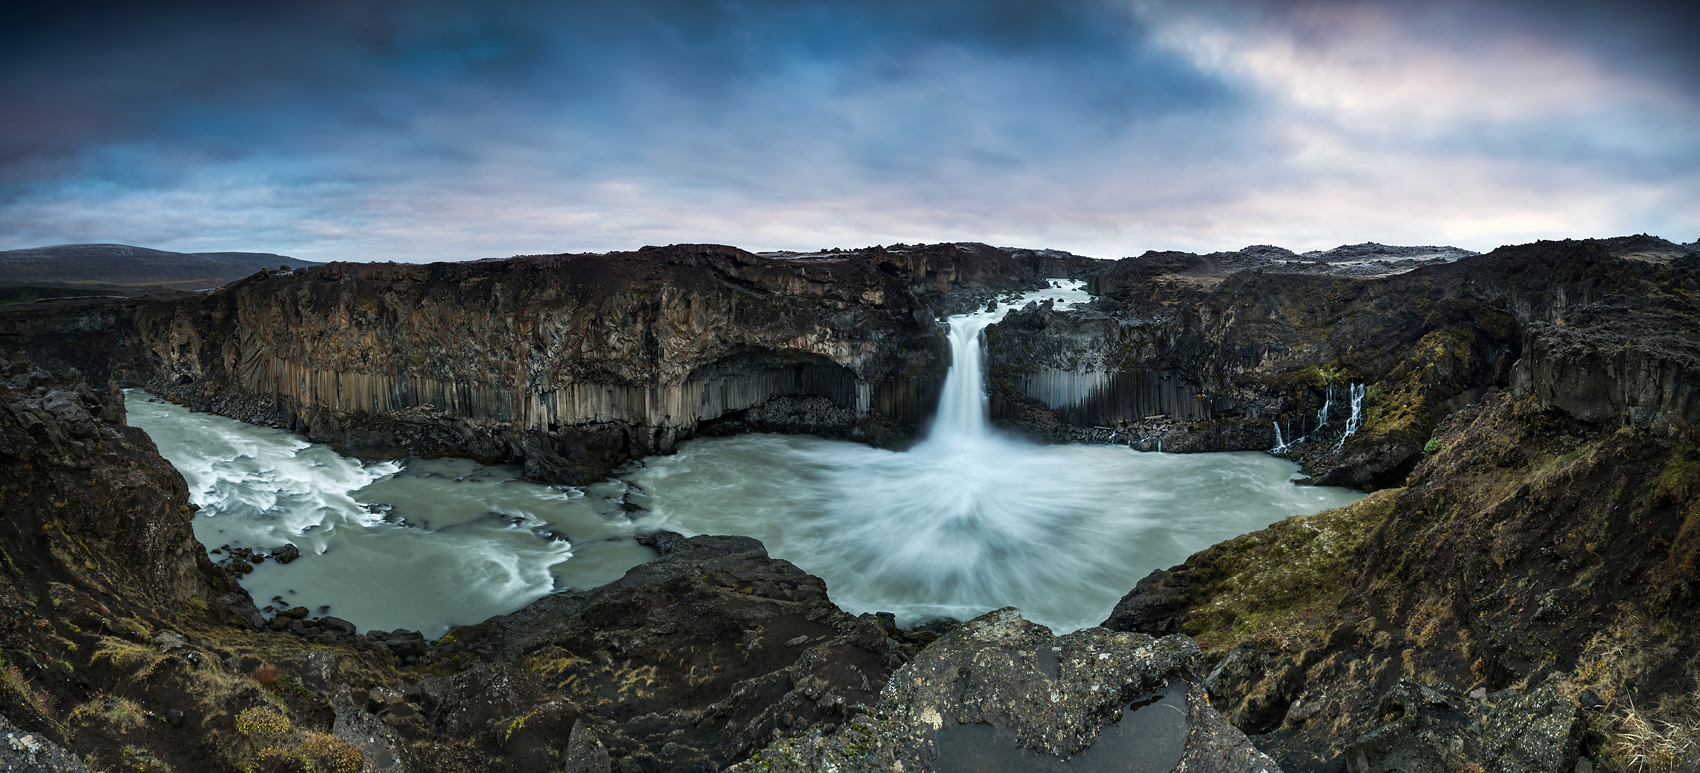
(1356, 393)
(1327, 402)
(1354, 396)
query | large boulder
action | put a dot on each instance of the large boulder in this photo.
(1002, 693)
(693, 660)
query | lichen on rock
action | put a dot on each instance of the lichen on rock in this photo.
(1009, 695)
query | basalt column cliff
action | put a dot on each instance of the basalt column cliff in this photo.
(573, 363)
(1222, 351)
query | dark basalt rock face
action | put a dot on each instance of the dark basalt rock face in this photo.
(76, 478)
(1204, 353)
(1003, 694)
(1530, 558)
(572, 363)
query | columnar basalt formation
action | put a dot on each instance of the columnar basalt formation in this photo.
(1209, 355)
(573, 363)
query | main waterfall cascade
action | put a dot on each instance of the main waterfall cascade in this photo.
(966, 521)
(970, 520)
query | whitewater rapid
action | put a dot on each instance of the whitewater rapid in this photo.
(422, 545)
(965, 522)
(970, 520)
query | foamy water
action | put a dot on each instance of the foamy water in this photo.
(970, 520)
(965, 522)
(423, 545)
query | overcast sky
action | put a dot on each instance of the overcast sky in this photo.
(420, 131)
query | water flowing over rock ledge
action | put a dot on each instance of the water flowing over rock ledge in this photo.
(573, 363)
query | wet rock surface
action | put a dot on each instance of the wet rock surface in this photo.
(1003, 694)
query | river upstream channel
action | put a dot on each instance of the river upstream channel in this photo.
(965, 522)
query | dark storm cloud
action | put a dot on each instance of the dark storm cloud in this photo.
(431, 130)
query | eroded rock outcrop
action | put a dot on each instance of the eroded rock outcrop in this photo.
(120, 642)
(1437, 728)
(1004, 694)
(114, 514)
(693, 660)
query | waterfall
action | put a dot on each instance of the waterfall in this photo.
(1356, 392)
(962, 416)
(1327, 401)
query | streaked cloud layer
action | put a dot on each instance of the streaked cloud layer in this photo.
(441, 131)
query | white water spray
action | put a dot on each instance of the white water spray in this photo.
(1327, 402)
(970, 520)
(961, 419)
(476, 542)
(1356, 393)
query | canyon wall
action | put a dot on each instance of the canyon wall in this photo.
(573, 363)
(1207, 356)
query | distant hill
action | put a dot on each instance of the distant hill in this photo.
(117, 269)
